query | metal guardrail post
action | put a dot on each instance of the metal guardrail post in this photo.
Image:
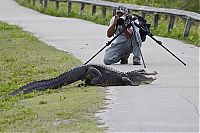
(57, 5)
(143, 14)
(69, 6)
(188, 25)
(34, 1)
(41, 2)
(45, 3)
(94, 9)
(156, 17)
(82, 8)
(114, 11)
(104, 11)
(171, 23)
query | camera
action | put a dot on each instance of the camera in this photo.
(126, 19)
(121, 20)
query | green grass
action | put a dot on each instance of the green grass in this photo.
(161, 30)
(24, 58)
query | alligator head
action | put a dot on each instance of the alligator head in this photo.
(141, 76)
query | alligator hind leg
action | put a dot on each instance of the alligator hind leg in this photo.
(96, 75)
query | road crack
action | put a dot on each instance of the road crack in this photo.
(193, 104)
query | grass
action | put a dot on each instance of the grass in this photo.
(161, 30)
(24, 58)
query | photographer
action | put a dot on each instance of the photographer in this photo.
(127, 42)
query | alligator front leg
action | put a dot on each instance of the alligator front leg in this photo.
(142, 71)
(128, 81)
(95, 74)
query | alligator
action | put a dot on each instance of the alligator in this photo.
(92, 74)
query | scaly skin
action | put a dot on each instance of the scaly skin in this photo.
(92, 74)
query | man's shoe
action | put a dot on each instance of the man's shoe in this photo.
(124, 59)
(136, 61)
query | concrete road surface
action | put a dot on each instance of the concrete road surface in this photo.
(170, 104)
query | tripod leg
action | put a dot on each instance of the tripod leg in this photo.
(160, 43)
(141, 55)
(138, 46)
(95, 55)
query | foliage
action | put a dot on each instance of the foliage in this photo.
(23, 58)
(189, 5)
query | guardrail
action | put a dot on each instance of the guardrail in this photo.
(190, 17)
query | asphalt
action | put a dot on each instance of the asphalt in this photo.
(170, 104)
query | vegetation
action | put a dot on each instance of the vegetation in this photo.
(23, 58)
(161, 30)
(188, 5)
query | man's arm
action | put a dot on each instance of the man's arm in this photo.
(111, 30)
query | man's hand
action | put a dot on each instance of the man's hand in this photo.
(127, 32)
(116, 19)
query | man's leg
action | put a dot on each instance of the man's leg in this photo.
(111, 56)
(116, 52)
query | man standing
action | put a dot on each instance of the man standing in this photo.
(127, 42)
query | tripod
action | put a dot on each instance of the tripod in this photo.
(147, 32)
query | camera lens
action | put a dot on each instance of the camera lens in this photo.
(121, 20)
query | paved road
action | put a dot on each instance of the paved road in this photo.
(170, 104)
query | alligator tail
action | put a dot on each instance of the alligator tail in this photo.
(54, 83)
